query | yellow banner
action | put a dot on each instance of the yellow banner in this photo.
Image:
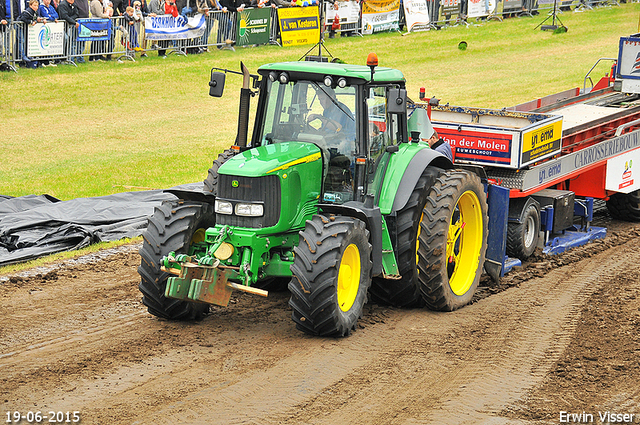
(299, 25)
(541, 141)
(380, 6)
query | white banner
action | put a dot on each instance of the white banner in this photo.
(629, 57)
(620, 173)
(45, 39)
(477, 8)
(166, 27)
(348, 12)
(380, 15)
(416, 13)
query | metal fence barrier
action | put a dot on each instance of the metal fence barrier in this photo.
(127, 40)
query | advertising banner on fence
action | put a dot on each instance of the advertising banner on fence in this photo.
(45, 39)
(380, 15)
(348, 12)
(299, 25)
(167, 27)
(417, 15)
(94, 29)
(254, 26)
(512, 5)
(478, 8)
(450, 7)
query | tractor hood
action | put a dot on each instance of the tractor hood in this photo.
(267, 160)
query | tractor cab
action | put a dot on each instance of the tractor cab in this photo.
(341, 110)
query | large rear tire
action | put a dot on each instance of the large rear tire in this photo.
(331, 275)
(174, 226)
(405, 292)
(625, 206)
(211, 182)
(452, 240)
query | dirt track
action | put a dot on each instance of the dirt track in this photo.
(560, 334)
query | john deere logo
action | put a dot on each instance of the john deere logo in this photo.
(235, 183)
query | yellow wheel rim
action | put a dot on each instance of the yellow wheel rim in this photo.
(198, 236)
(464, 243)
(348, 277)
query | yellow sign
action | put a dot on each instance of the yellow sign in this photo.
(299, 25)
(541, 142)
(380, 6)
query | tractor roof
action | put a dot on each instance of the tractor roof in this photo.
(320, 69)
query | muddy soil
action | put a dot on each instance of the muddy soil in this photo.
(560, 334)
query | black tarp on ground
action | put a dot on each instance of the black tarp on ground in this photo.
(33, 226)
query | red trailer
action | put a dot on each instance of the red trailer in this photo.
(553, 156)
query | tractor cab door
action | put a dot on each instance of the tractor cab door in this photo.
(383, 131)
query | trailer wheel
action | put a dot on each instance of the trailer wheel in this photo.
(174, 226)
(522, 238)
(452, 240)
(405, 292)
(625, 206)
(211, 182)
(331, 275)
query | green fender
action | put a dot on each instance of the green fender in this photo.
(404, 169)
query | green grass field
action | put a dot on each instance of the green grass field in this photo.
(108, 127)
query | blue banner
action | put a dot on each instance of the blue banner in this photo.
(166, 27)
(94, 29)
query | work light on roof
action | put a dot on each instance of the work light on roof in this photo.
(342, 82)
(328, 81)
(273, 76)
(283, 78)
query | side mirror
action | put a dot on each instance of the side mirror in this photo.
(397, 101)
(216, 85)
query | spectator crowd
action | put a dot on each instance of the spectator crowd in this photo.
(127, 18)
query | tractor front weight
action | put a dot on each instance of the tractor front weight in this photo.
(229, 258)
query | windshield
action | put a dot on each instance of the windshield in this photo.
(308, 111)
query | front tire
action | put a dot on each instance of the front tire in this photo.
(331, 275)
(211, 182)
(174, 226)
(452, 240)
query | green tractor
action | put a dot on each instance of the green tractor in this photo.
(332, 196)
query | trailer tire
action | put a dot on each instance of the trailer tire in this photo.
(625, 206)
(405, 292)
(331, 275)
(174, 226)
(522, 238)
(211, 182)
(452, 241)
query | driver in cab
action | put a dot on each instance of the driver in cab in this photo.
(336, 117)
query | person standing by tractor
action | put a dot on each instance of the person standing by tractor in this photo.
(438, 144)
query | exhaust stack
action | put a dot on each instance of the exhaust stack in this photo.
(243, 116)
